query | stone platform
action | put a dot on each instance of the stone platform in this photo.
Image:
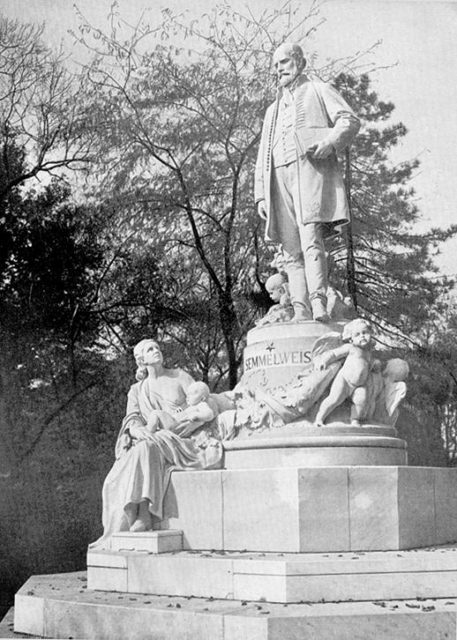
(60, 606)
(285, 578)
(322, 509)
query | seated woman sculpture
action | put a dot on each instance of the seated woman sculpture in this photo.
(148, 447)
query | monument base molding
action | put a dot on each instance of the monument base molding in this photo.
(301, 444)
(59, 606)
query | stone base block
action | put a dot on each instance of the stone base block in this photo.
(60, 607)
(286, 578)
(151, 541)
(322, 509)
(316, 450)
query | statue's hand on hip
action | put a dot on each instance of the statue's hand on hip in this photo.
(322, 150)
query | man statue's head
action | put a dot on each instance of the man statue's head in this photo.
(289, 62)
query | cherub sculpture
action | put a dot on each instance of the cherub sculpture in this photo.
(201, 409)
(351, 379)
(278, 290)
(394, 374)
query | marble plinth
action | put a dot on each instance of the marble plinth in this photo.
(61, 607)
(322, 509)
(275, 353)
(150, 541)
(301, 444)
(286, 578)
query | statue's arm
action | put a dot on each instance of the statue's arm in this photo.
(133, 420)
(132, 401)
(134, 423)
(323, 360)
(345, 123)
(259, 178)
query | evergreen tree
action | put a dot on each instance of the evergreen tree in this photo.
(393, 265)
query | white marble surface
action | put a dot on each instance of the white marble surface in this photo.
(373, 508)
(71, 611)
(261, 510)
(445, 485)
(298, 509)
(151, 541)
(416, 506)
(335, 454)
(286, 578)
(99, 577)
(324, 509)
(189, 577)
(193, 504)
(29, 614)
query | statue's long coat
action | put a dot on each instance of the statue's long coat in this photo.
(317, 105)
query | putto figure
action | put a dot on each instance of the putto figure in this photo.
(351, 380)
(299, 189)
(278, 290)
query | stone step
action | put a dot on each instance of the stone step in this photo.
(286, 578)
(59, 606)
(151, 541)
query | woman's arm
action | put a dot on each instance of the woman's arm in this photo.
(134, 423)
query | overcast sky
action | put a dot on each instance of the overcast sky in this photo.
(418, 48)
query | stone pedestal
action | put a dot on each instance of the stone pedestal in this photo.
(306, 533)
(61, 607)
(314, 536)
(326, 509)
(274, 354)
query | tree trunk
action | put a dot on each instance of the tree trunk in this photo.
(228, 325)
(350, 263)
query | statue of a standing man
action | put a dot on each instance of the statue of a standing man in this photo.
(299, 189)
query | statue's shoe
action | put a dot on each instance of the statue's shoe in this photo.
(319, 310)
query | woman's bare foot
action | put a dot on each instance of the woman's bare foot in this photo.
(143, 521)
(138, 526)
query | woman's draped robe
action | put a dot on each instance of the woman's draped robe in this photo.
(143, 467)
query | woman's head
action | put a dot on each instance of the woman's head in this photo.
(146, 353)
